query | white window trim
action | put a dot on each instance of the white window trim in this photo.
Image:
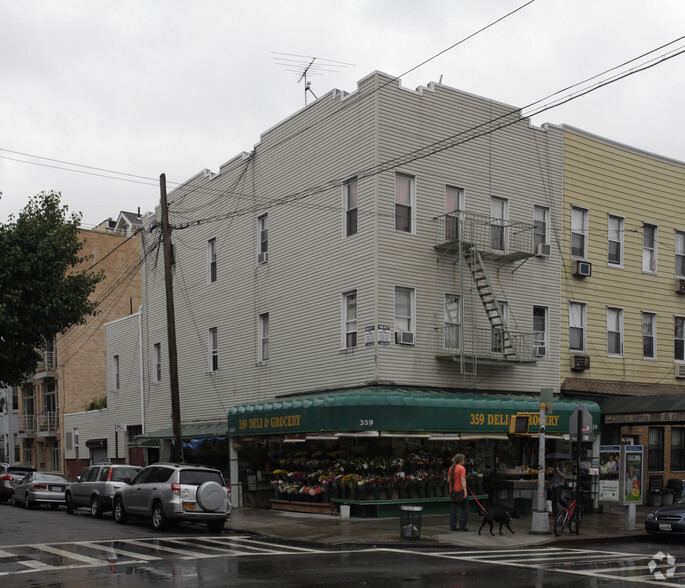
(263, 320)
(654, 333)
(116, 373)
(682, 317)
(412, 316)
(157, 359)
(501, 222)
(458, 324)
(621, 333)
(412, 202)
(546, 211)
(346, 321)
(583, 320)
(213, 347)
(677, 253)
(620, 240)
(583, 230)
(545, 333)
(211, 261)
(347, 209)
(263, 244)
(656, 250)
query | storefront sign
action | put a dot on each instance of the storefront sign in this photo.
(655, 417)
(265, 424)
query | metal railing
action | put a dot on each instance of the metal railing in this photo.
(487, 344)
(27, 423)
(47, 421)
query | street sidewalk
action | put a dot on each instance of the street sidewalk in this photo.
(332, 530)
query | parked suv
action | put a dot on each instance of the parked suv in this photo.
(95, 487)
(168, 492)
(10, 475)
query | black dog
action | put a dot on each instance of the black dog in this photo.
(498, 514)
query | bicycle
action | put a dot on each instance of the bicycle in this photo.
(572, 515)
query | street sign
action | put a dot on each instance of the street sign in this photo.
(586, 423)
(119, 427)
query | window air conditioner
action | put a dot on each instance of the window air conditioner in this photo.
(263, 257)
(540, 351)
(543, 250)
(582, 269)
(679, 371)
(580, 363)
(680, 286)
(404, 338)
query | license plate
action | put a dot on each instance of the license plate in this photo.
(188, 506)
(665, 527)
(56, 489)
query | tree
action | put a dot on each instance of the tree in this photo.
(44, 288)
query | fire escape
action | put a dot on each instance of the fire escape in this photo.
(474, 240)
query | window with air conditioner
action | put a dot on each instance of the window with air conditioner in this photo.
(540, 331)
(615, 331)
(579, 231)
(615, 240)
(263, 239)
(648, 335)
(452, 322)
(454, 205)
(649, 248)
(404, 315)
(350, 207)
(405, 202)
(350, 319)
(499, 215)
(577, 314)
(211, 260)
(679, 338)
(541, 229)
(213, 350)
(264, 337)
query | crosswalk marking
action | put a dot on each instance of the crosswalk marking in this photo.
(115, 550)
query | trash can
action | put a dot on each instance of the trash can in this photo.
(410, 521)
(666, 497)
(654, 498)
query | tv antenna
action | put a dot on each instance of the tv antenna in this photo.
(305, 66)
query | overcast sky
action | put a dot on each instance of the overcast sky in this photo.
(145, 87)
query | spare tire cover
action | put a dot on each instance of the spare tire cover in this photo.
(211, 496)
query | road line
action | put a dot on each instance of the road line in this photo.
(117, 551)
(69, 555)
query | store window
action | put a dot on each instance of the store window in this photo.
(655, 449)
(677, 449)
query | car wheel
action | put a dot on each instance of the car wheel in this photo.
(70, 504)
(95, 508)
(216, 526)
(120, 514)
(27, 503)
(13, 500)
(159, 522)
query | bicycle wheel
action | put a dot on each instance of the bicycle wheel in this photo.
(560, 523)
(574, 521)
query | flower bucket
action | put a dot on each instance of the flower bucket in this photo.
(377, 493)
(389, 492)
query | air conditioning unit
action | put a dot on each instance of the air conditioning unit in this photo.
(680, 286)
(404, 338)
(680, 371)
(580, 363)
(263, 257)
(582, 269)
(540, 351)
(543, 250)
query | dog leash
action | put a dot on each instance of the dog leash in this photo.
(474, 497)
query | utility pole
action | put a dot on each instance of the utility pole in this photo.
(177, 455)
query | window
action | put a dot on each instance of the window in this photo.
(404, 307)
(211, 260)
(454, 204)
(615, 253)
(55, 461)
(648, 335)
(615, 331)
(213, 350)
(540, 331)
(404, 202)
(116, 372)
(264, 337)
(541, 225)
(498, 334)
(157, 355)
(263, 230)
(579, 232)
(452, 322)
(680, 253)
(655, 449)
(350, 319)
(679, 338)
(498, 220)
(649, 248)
(677, 449)
(576, 323)
(350, 207)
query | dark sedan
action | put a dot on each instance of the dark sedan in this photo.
(667, 520)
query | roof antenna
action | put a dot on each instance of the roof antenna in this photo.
(305, 66)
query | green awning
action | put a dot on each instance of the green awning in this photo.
(191, 431)
(377, 408)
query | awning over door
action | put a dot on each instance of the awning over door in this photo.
(376, 408)
(190, 431)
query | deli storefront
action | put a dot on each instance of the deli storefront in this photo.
(383, 442)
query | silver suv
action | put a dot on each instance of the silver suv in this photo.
(168, 492)
(95, 487)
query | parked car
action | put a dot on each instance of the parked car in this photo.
(40, 488)
(9, 476)
(667, 520)
(95, 487)
(167, 493)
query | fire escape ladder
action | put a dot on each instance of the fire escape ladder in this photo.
(492, 308)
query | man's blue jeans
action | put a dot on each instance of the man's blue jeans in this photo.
(464, 504)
